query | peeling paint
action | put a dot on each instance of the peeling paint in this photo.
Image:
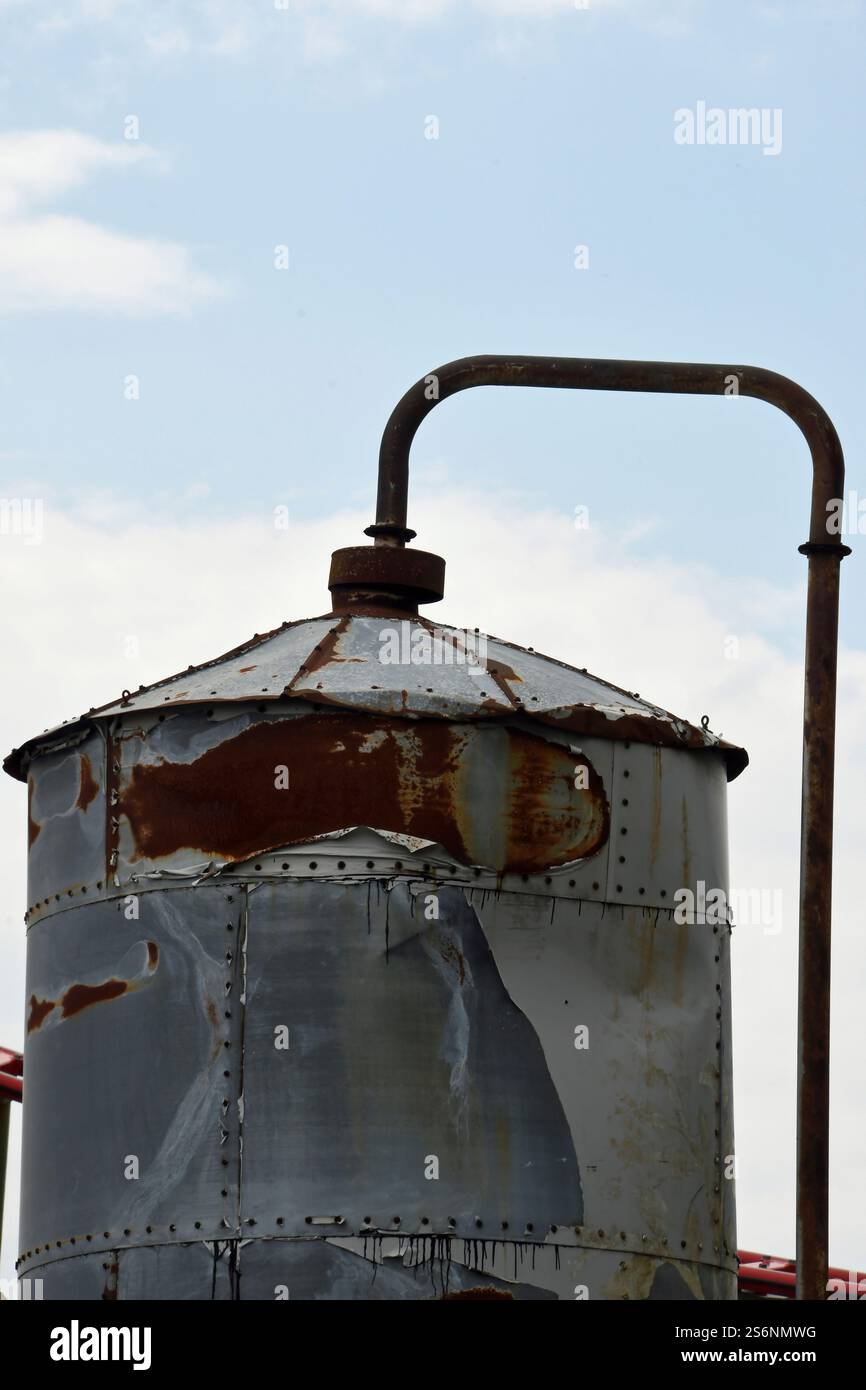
(494, 796)
(79, 996)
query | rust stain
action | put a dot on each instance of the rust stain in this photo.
(485, 1291)
(213, 1020)
(656, 807)
(112, 772)
(79, 997)
(424, 778)
(325, 653)
(498, 671)
(642, 939)
(242, 670)
(109, 1293)
(452, 955)
(33, 826)
(687, 851)
(88, 787)
(39, 1011)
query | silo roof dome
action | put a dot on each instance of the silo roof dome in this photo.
(404, 666)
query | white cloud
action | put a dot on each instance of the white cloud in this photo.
(49, 261)
(40, 164)
(234, 38)
(323, 40)
(581, 596)
(169, 43)
(322, 29)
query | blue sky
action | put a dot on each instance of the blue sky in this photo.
(555, 129)
(305, 127)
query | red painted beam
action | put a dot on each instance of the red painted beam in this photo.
(11, 1074)
(770, 1276)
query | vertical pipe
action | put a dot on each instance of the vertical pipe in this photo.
(816, 882)
(825, 550)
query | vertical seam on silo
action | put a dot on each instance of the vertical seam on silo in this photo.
(242, 947)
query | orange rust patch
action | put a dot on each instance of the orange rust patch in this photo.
(489, 794)
(39, 1011)
(88, 787)
(33, 826)
(325, 653)
(79, 997)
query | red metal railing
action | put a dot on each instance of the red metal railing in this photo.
(768, 1276)
(11, 1074)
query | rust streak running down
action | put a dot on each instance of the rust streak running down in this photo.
(490, 795)
(88, 787)
(33, 826)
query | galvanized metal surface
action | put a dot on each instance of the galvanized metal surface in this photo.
(193, 795)
(397, 1270)
(130, 1031)
(403, 1044)
(410, 1037)
(66, 822)
(343, 661)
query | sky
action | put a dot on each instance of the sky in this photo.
(231, 236)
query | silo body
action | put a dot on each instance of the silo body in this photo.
(355, 971)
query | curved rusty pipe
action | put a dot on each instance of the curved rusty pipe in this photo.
(600, 374)
(824, 551)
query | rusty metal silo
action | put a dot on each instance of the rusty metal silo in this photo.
(354, 971)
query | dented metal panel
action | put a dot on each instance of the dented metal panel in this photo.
(406, 1056)
(66, 822)
(410, 1037)
(132, 1027)
(626, 1004)
(374, 1271)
